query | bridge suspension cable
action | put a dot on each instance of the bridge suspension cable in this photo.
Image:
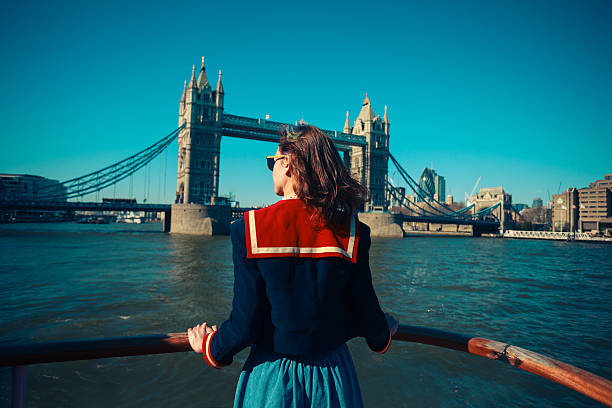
(416, 188)
(431, 202)
(410, 205)
(112, 174)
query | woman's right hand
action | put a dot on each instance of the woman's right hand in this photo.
(196, 335)
(393, 324)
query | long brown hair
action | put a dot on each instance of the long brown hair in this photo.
(322, 181)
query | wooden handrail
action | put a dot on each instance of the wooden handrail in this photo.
(587, 383)
(584, 382)
(57, 351)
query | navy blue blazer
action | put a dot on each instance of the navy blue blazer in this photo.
(298, 306)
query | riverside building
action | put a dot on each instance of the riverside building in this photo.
(29, 187)
(595, 202)
(565, 210)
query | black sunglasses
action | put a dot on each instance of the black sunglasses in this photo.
(271, 160)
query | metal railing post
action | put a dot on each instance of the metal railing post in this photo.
(20, 376)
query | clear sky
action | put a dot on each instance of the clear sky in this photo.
(518, 92)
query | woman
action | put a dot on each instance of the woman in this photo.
(302, 285)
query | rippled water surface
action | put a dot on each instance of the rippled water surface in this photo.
(66, 281)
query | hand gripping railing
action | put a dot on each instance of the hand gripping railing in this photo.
(589, 384)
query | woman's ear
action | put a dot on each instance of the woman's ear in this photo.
(287, 165)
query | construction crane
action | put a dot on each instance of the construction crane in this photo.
(468, 198)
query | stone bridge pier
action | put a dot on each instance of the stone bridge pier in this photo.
(199, 219)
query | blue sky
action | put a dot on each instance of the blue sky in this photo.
(518, 92)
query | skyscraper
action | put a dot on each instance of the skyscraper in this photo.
(433, 185)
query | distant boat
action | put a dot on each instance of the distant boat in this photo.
(93, 220)
(131, 218)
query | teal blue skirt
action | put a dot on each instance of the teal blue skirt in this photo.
(272, 380)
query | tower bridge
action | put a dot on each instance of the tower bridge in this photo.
(202, 122)
(365, 145)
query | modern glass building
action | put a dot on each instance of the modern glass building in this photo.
(433, 185)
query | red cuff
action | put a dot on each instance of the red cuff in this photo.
(206, 350)
(383, 351)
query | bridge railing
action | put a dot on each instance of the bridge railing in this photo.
(345, 137)
(589, 384)
(262, 123)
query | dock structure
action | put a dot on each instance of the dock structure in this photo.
(555, 236)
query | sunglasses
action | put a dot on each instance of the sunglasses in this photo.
(271, 160)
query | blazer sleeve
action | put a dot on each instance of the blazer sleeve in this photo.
(246, 318)
(370, 318)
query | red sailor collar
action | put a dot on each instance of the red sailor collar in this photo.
(284, 229)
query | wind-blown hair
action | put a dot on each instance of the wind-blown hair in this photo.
(322, 181)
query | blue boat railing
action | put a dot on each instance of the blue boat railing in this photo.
(20, 356)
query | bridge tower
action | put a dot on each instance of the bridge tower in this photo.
(369, 164)
(201, 111)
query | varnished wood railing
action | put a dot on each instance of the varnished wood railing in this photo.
(54, 352)
(589, 384)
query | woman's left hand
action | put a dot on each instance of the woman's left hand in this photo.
(196, 335)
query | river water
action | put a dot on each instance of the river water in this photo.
(66, 281)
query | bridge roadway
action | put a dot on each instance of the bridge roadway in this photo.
(77, 206)
(268, 131)
(11, 205)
